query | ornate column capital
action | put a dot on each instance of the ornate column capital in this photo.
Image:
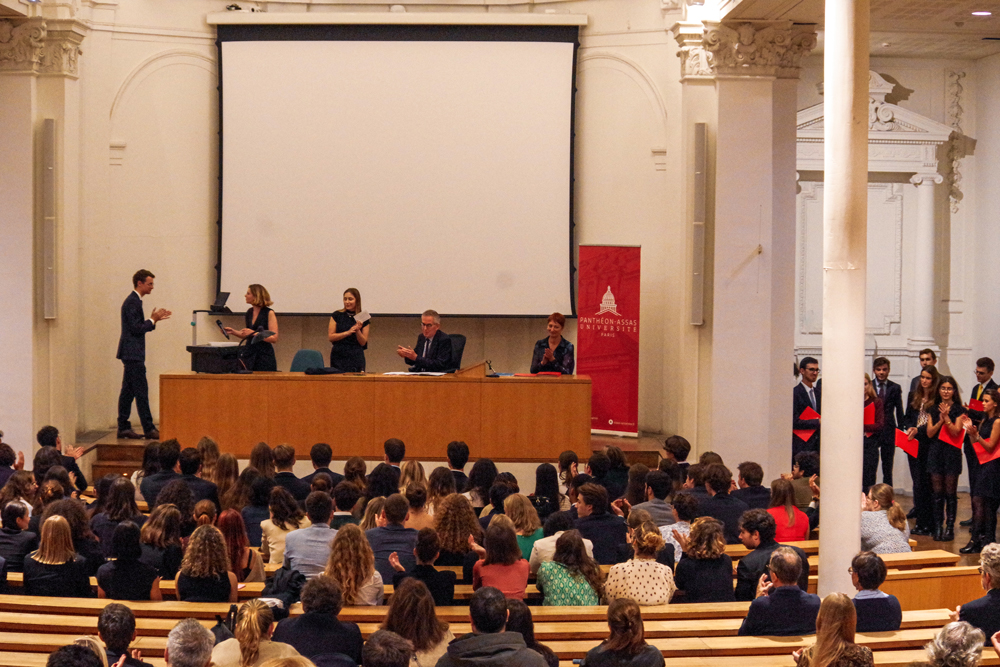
(926, 179)
(714, 49)
(38, 46)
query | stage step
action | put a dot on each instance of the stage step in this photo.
(117, 457)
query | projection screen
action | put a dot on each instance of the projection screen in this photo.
(428, 167)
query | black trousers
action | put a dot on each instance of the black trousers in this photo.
(922, 493)
(887, 447)
(869, 462)
(134, 387)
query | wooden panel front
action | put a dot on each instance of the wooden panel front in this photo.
(337, 411)
(523, 416)
(428, 412)
(231, 409)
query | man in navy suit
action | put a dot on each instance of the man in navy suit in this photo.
(132, 352)
(984, 613)
(49, 436)
(891, 395)
(807, 394)
(781, 608)
(433, 349)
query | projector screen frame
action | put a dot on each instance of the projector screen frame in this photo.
(514, 32)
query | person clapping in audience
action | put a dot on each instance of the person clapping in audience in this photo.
(835, 645)
(204, 575)
(352, 565)
(126, 577)
(500, 563)
(877, 611)
(116, 628)
(572, 577)
(642, 578)
(626, 646)
(706, 572)
(781, 608)
(55, 569)
(16, 541)
(757, 530)
(441, 583)
(412, 615)
(252, 644)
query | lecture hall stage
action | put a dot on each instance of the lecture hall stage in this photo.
(505, 419)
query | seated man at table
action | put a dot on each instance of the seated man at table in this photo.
(781, 608)
(876, 611)
(757, 530)
(433, 349)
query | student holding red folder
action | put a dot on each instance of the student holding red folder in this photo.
(944, 458)
(807, 401)
(919, 406)
(874, 421)
(986, 493)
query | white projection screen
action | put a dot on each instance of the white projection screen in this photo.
(428, 166)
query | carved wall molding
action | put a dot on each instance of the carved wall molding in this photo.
(40, 46)
(743, 48)
(956, 148)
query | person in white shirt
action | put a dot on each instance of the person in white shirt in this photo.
(545, 548)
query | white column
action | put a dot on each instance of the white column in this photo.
(844, 256)
(923, 279)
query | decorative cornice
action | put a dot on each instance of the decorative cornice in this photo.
(743, 48)
(39, 46)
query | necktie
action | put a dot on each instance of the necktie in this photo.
(427, 347)
(881, 391)
(812, 398)
(979, 393)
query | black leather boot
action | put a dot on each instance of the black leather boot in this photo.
(950, 511)
(937, 516)
(973, 547)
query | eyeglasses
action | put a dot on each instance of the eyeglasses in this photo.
(424, 326)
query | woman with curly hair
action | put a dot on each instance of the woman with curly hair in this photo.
(285, 515)
(527, 524)
(252, 644)
(626, 646)
(705, 574)
(455, 522)
(440, 485)
(571, 578)
(413, 616)
(352, 565)
(243, 560)
(204, 575)
(227, 470)
(20, 487)
(835, 645)
(642, 578)
(120, 507)
(161, 540)
(209, 451)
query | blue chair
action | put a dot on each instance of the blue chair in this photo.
(307, 359)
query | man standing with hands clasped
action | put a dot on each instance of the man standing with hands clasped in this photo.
(132, 352)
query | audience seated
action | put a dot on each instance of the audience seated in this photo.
(356, 472)
(308, 549)
(805, 466)
(284, 462)
(499, 493)
(720, 505)
(318, 632)
(8, 459)
(116, 628)
(547, 499)
(659, 486)
(373, 514)
(262, 460)
(321, 454)
(626, 646)
(151, 485)
(677, 448)
(706, 572)
(244, 561)
(757, 530)
(835, 647)
(383, 481)
(571, 578)
(74, 655)
(126, 577)
(48, 493)
(441, 583)
(252, 644)
(190, 463)
(751, 490)
(635, 519)
(204, 513)
(120, 507)
(527, 524)
(395, 452)
(685, 509)
(440, 485)
(178, 494)
(455, 522)
(409, 472)
(49, 436)
(597, 524)
(238, 495)
(161, 541)
(412, 615)
(481, 478)
(781, 608)
(695, 484)
(500, 563)
(545, 548)
(635, 491)
(189, 644)
(84, 542)
(984, 613)
(55, 569)
(458, 457)
(60, 474)
(345, 497)
(416, 499)
(392, 536)
(21, 489)
(208, 449)
(44, 459)
(792, 523)
(204, 574)
(386, 649)
(519, 620)
(958, 644)
(16, 541)
(150, 466)
(876, 611)
(258, 509)
(642, 578)
(226, 472)
(488, 613)
(284, 516)
(351, 564)
(883, 522)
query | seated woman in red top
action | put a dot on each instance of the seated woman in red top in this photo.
(500, 563)
(793, 524)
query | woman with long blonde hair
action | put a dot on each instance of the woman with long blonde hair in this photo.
(835, 645)
(411, 471)
(883, 522)
(204, 575)
(527, 525)
(227, 470)
(252, 644)
(55, 569)
(352, 565)
(792, 523)
(373, 510)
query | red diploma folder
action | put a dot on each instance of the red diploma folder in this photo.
(976, 405)
(907, 445)
(944, 435)
(983, 455)
(870, 414)
(804, 434)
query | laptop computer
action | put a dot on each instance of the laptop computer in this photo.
(220, 304)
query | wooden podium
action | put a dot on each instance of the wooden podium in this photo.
(504, 418)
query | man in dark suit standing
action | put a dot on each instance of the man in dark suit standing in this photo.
(433, 349)
(891, 395)
(132, 352)
(806, 395)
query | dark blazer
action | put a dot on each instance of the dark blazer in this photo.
(387, 539)
(461, 480)
(69, 463)
(295, 486)
(438, 358)
(755, 563)
(308, 479)
(15, 545)
(151, 486)
(132, 343)
(878, 614)
(606, 531)
(129, 660)
(983, 613)
(6, 472)
(441, 584)
(314, 633)
(786, 612)
(202, 489)
(892, 406)
(728, 510)
(977, 415)
(756, 497)
(800, 401)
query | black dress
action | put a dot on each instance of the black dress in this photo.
(942, 458)
(166, 561)
(259, 356)
(988, 482)
(68, 580)
(126, 580)
(705, 579)
(203, 589)
(347, 354)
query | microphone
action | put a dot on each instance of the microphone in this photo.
(222, 329)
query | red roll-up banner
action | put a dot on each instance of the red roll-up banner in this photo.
(608, 335)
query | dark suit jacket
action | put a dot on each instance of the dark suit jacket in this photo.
(606, 531)
(755, 563)
(308, 479)
(313, 634)
(728, 510)
(132, 343)
(800, 401)
(786, 612)
(295, 486)
(387, 539)
(983, 613)
(152, 485)
(461, 480)
(202, 489)
(977, 415)
(438, 357)
(440, 583)
(756, 497)
(15, 545)
(892, 407)
(69, 463)
(6, 472)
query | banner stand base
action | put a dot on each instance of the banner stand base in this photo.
(623, 434)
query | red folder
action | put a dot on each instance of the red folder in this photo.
(809, 413)
(803, 433)
(976, 405)
(983, 455)
(907, 445)
(944, 435)
(870, 414)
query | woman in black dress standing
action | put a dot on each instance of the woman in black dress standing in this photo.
(986, 492)
(944, 461)
(258, 355)
(350, 339)
(919, 406)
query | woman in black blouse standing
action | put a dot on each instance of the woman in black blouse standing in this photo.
(553, 354)
(944, 461)
(349, 338)
(986, 491)
(259, 355)
(919, 406)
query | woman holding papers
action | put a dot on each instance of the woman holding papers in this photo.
(944, 459)
(986, 493)
(349, 335)
(919, 406)
(553, 354)
(259, 354)
(872, 442)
